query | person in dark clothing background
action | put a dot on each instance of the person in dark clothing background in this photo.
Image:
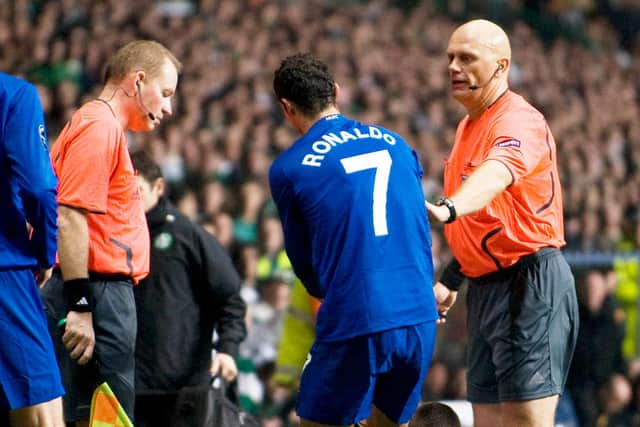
(598, 354)
(191, 290)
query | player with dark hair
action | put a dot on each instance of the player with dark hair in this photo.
(352, 208)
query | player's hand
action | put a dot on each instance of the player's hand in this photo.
(43, 275)
(445, 298)
(224, 365)
(438, 213)
(79, 337)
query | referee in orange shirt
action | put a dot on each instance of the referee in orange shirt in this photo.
(103, 240)
(504, 224)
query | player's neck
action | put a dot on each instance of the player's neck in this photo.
(307, 122)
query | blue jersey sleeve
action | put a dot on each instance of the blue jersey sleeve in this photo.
(296, 236)
(418, 165)
(30, 171)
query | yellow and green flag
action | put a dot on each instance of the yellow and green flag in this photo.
(106, 410)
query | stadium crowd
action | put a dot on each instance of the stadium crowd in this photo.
(389, 58)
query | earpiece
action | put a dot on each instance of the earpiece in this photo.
(149, 113)
(493, 76)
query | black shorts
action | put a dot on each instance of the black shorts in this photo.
(523, 324)
(115, 326)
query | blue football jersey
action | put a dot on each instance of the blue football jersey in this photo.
(356, 229)
(27, 182)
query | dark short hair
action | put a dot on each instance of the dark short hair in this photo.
(145, 166)
(434, 414)
(306, 81)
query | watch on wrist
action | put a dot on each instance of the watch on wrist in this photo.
(445, 201)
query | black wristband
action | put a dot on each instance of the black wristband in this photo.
(451, 277)
(77, 294)
(445, 201)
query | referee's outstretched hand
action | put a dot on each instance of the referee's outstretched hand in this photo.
(445, 298)
(437, 213)
(79, 337)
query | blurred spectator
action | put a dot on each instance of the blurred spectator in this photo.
(260, 348)
(457, 385)
(634, 405)
(614, 397)
(224, 229)
(246, 257)
(298, 334)
(627, 291)
(187, 204)
(214, 197)
(435, 384)
(273, 259)
(193, 285)
(598, 354)
(245, 223)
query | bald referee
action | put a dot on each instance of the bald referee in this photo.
(503, 214)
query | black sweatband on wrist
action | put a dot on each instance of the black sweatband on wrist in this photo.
(451, 277)
(77, 294)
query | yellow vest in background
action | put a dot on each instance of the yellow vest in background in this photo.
(267, 266)
(298, 334)
(627, 293)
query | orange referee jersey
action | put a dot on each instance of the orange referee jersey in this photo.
(525, 217)
(91, 160)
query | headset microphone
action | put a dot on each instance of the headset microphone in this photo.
(493, 76)
(149, 113)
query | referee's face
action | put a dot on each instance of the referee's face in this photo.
(479, 53)
(471, 64)
(153, 97)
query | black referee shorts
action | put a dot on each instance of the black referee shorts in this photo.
(523, 325)
(115, 326)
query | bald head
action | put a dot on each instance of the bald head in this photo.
(479, 58)
(485, 35)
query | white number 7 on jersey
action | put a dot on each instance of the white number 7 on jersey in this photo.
(381, 162)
